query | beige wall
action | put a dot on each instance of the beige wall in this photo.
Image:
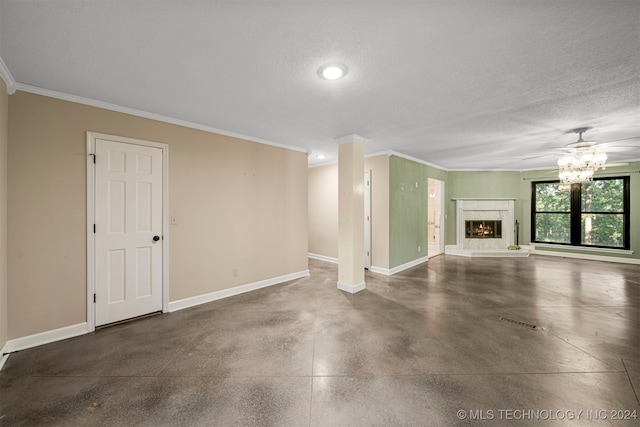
(4, 137)
(240, 205)
(323, 210)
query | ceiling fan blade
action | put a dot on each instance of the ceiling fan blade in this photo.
(613, 165)
(538, 156)
(620, 149)
(624, 142)
(622, 139)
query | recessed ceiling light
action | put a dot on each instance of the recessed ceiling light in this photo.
(332, 71)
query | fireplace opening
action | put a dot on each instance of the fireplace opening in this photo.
(483, 229)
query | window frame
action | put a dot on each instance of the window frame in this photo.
(576, 212)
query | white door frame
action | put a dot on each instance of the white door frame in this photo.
(367, 219)
(91, 280)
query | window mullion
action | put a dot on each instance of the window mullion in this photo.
(576, 214)
(626, 203)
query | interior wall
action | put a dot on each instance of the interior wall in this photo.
(240, 205)
(4, 141)
(408, 192)
(323, 210)
(408, 213)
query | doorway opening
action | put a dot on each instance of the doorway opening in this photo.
(435, 217)
(367, 219)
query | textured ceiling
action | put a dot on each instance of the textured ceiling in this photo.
(463, 85)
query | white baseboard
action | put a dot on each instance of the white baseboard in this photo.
(380, 270)
(59, 334)
(225, 293)
(591, 257)
(352, 289)
(323, 258)
(398, 269)
(45, 337)
(4, 355)
(373, 268)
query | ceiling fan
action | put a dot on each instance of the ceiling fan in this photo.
(581, 143)
(581, 161)
(578, 161)
(616, 145)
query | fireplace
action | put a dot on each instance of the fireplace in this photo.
(483, 229)
(484, 223)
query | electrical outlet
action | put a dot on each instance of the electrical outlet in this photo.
(419, 248)
(235, 272)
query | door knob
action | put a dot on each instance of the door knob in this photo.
(156, 238)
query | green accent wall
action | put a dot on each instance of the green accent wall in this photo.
(408, 195)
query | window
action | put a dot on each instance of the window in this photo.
(594, 213)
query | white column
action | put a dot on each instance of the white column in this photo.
(351, 213)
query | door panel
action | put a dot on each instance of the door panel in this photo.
(128, 212)
(116, 276)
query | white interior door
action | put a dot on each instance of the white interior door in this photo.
(128, 230)
(367, 219)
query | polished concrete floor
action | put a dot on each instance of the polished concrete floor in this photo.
(424, 347)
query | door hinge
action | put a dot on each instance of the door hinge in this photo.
(94, 157)
(94, 228)
(94, 298)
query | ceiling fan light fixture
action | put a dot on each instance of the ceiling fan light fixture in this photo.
(580, 164)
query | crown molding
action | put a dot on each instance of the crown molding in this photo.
(7, 77)
(147, 115)
(485, 170)
(415, 159)
(351, 138)
(383, 153)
